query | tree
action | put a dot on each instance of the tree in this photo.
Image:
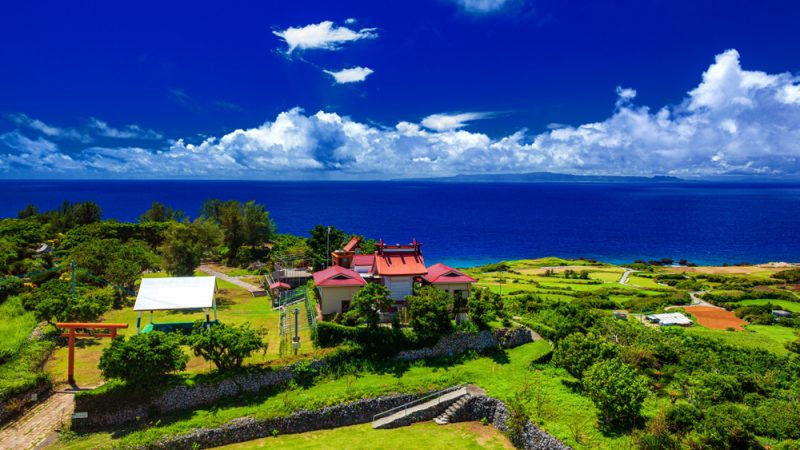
(318, 244)
(241, 223)
(481, 306)
(30, 210)
(578, 351)
(159, 212)
(616, 390)
(119, 263)
(53, 302)
(368, 303)
(143, 359)
(257, 226)
(224, 345)
(429, 311)
(185, 244)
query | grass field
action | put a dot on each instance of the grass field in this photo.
(421, 436)
(16, 325)
(785, 304)
(234, 306)
(767, 337)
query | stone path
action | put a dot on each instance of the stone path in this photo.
(384, 421)
(38, 426)
(256, 291)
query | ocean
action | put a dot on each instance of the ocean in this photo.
(465, 224)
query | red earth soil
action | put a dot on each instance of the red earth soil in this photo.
(720, 319)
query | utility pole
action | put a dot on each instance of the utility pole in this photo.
(296, 338)
(328, 248)
(72, 266)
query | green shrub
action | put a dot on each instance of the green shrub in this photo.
(616, 390)
(10, 286)
(368, 302)
(429, 309)
(727, 426)
(226, 346)
(143, 359)
(577, 352)
(481, 306)
(54, 302)
(681, 417)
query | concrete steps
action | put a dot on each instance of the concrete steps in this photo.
(444, 418)
(392, 420)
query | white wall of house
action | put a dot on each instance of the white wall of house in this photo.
(331, 297)
(451, 288)
(399, 286)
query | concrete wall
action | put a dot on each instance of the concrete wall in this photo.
(331, 297)
(452, 287)
(401, 287)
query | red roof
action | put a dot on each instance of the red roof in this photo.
(363, 260)
(399, 263)
(439, 273)
(279, 285)
(338, 276)
(351, 246)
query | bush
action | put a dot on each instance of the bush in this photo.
(577, 352)
(368, 302)
(481, 306)
(727, 426)
(616, 390)
(9, 287)
(225, 345)
(53, 302)
(429, 311)
(143, 360)
(681, 417)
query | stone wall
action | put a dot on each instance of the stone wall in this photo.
(104, 412)
(494, 410)
(18, 403)
(459, 342)
(247, 428)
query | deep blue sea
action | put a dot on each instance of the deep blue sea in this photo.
(470, 224)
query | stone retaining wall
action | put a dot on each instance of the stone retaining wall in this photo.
(532, 437)
(20, 402)
(459, 342)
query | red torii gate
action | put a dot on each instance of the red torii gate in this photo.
(72, 334)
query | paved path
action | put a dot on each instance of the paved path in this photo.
(624, 278)
(696, 301)
(38, 426)
(383, 421)
(256, 291)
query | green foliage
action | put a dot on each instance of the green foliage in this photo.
(16, 325)
(320, 241)
(143, 359)
(788, 276)
(369, 301)
(9, 287)
(516, 419)
(429, 311)
(159, 212)
(616, 390)
(185, 244)
(149, 232)
(496, 267)
(226, 346)
(22, 371)
(681, 417)
(120, 263)
(482, 304)
(53, 302)
(577, 352)
(727, 426)
(242, 224)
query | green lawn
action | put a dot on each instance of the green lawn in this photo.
(421, 436)
(767, 337)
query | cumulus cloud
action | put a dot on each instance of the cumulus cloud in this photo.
(351, 75)
(446, 122)
(324, 36)
(127, 132)
(48, 130)
(735, 121)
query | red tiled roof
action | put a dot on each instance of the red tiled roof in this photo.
(399, 263)
(439, 273)
(363, 260)
(338, 276)
(279, 285)
(352, 244)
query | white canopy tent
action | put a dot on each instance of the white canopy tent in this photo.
(177, 293)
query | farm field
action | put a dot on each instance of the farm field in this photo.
(421, 436)
(766, 337)
(716, 318)
(785, 304)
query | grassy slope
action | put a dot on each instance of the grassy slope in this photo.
(785, 304)
(768, 337)
(421, 436)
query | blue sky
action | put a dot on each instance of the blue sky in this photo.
(355, 90)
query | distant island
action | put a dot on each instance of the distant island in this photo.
(548, 177)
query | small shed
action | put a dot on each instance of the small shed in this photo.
(176, 293)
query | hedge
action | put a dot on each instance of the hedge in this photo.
(381, 341)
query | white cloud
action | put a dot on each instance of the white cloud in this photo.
(351, 75)
(445, 122)
(127, 132)
(482, 6)
(47, 130)
(734, 121)
(324, 35)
